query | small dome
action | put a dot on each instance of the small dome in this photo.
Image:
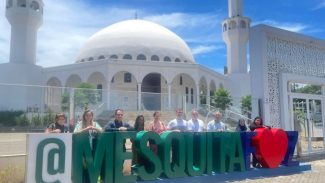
(137, 39)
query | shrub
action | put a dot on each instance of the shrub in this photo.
(7, 118)
(49, 117)
(36, 120)
(22, 120)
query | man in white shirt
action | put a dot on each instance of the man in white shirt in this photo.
(178, 124)
(217, 125)
(195, 124)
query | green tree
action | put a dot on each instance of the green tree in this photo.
(246, 105)
(36, 120)
(22, 120)
(84, 95)
(310, 89)
(203, 99)
(221, 99)
(49, 117)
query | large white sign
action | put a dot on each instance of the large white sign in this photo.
(49, 158)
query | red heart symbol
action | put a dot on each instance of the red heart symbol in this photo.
(271, 146)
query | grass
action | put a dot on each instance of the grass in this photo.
(11, 174)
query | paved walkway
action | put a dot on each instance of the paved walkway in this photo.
(317, 175)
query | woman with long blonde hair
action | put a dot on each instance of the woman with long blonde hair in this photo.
(87, 123)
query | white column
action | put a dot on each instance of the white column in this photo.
(71, 104)
(108, 93)
(235, 8)
(139, 96)
(197, 96)
(169, 96)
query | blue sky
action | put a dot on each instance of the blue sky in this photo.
(68, 23)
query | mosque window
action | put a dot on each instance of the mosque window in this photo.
(185, 61)
(9, 4)
(127, 57)
(101, 57)
(242, 24)
(90, 59)
(113, 78)
(224, 27)
(167, 59)
(154, 58)
(127, 77)
(21, 3)
(35, 6)
(232, 24)
(177, 60)
(141, 57)
(82, 60)
(305, 88)
(100, 92)
(113, 57)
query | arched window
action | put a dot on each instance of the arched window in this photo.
(192, 96)
(9, 4)
(82, 60)
(224, 27)
(242, 24)
(154, 58)
(177, 60)
(101, 57)
(21, 3)
(127, 77)
(186, 94)
(113, 57)
(100, 92)
(232, 25)
(185, 61)
(127, 57)
(35, 6)
(141, 57)
(167, 59)
(90, 59)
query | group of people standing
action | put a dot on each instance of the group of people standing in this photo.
(178, 124)
(88, 125)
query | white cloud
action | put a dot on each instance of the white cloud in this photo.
(294, 27)
(61, 38)
(173, 20)
(321, 5)
(193, 28)
(68, 24)
(177, 20)
(218, 69)
(202, 49)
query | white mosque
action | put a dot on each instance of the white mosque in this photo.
(140, 65)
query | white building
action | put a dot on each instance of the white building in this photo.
(140, 65)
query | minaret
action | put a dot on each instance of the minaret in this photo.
(235, 30)
(25, 17)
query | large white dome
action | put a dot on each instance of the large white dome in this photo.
(136, 40)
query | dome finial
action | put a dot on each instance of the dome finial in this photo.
(136, 15)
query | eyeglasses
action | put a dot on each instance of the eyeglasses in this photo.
(119, 114)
